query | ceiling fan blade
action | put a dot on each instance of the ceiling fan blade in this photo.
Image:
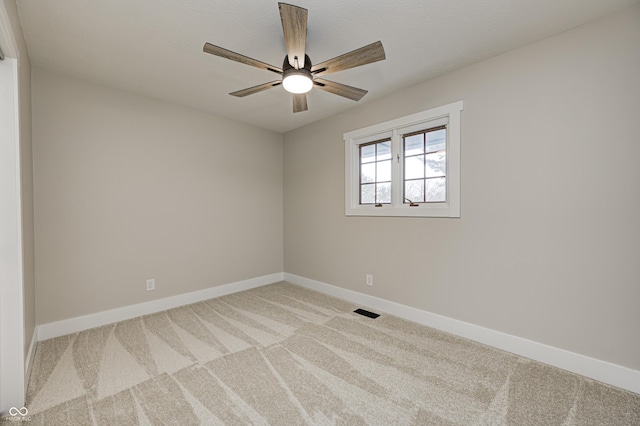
(299, 102)
(349, 92)
(365, 55)
(228, 54)
(294, 27)
(255, 89)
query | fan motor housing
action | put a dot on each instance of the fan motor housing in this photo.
(297, 81)
(288, 69)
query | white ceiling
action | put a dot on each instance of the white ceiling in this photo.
(154, 47)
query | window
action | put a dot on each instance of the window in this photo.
(406, 167)
(375, 172)
(425, 164)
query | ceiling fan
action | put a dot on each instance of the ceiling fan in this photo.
(298, 73)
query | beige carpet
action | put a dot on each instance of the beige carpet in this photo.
(284, 355)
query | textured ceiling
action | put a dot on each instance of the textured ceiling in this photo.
(154, 47)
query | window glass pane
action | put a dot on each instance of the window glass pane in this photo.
(367, 153)
(414, 167)
(414, 190)
(436, 164)
(437, 140)
(384, 151)
(383, 193)
(414, 144)
(384, 171)
(368, 173)
(368, 194)
(435, 190)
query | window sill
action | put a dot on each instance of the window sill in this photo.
(431, 210)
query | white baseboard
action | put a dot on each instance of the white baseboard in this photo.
(596, 369)
(85, 322)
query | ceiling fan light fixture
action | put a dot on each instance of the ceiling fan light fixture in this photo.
(298, 75)
(297, 81)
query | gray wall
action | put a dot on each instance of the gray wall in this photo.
(548, 244)
(128, 188)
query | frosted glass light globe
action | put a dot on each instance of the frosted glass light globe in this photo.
(297, 83)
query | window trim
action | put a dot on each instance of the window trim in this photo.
(449, 114)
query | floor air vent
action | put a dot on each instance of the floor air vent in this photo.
(366, 313)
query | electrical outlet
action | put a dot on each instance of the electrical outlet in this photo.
(151, 284)
(369, 279)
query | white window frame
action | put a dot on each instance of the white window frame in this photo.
(446, 114)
